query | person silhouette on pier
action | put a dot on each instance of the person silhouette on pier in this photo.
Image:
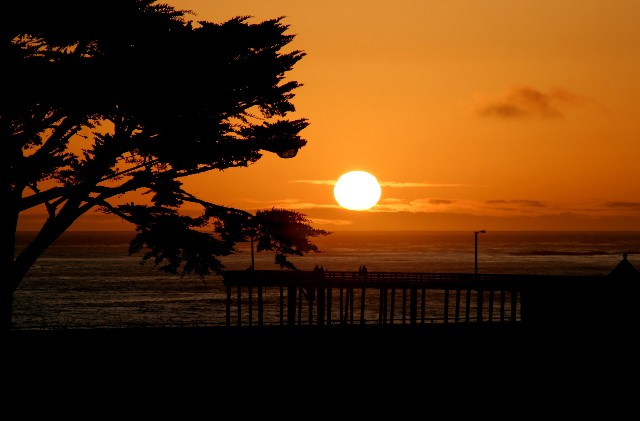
(319, 271)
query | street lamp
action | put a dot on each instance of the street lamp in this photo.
(476, 249)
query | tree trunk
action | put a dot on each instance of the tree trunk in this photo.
(11, 278)
(8, 226)
(6, 304)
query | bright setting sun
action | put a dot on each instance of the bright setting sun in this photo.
(357, 190)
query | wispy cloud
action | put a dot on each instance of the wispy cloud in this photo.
(525, 101)
(337, 222)
(441, 201)
(288, 204)
(530, 203)
(623, 205)
(417, 205)
(316, 182)
(489, 207)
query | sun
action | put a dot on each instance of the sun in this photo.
(357, 190)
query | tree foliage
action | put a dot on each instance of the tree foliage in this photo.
(106, 98)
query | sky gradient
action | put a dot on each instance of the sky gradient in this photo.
(492, 114)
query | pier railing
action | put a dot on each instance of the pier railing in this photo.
(325, 298)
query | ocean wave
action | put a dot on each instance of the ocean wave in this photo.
(567, 253)
(561, 253)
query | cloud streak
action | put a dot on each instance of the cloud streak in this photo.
(508, 207)
(623, 205)
(445, 205)
(529, 203)
(316, 182)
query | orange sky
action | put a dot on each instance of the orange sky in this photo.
(493, 114)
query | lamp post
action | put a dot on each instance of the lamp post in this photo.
(253, 263)
(476, 250)
(251, 231)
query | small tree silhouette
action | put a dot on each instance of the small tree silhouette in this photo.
(102, 99)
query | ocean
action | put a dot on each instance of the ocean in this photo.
(87, 279)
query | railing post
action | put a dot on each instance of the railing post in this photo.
(228, 309)
(329, 305)
(291, 305)
(479, 305)
(250, 292)
(514, 304)
(423, 301)
(404, 305)
(260, 306)
(299, 305)
(392, 310)
(457, 312)
(311, 298)
(467, 306)
(281, 314)
(351, 305)
(321, 304)
(341, 306)
(239, 294)
(502, 298)
(446, 306)
(491, 299)
(362, 305)
(413, 306)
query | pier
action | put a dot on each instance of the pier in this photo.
(328, 298)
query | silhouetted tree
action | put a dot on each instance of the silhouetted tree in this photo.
(100, 99)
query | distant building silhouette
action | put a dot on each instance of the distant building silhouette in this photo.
(624, 269)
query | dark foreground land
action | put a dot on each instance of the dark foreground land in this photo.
(337, 366)
(463, 347)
